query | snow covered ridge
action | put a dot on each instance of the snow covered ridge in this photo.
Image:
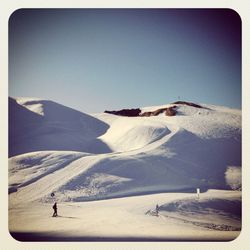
(81, 157)
(38, 125)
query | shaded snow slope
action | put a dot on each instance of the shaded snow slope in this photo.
(36, 125)
(216, 210)
(137, 155)
(30, 167)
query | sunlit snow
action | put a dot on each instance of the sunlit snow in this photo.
(108, 173)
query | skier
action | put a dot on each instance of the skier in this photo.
(157, 209)
(55, 210)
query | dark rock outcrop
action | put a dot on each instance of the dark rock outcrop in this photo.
(188, 104)
(125, 112)
(171, 111)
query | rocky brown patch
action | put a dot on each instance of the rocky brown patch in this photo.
(125, 112)
(171, 111)
(188, 104)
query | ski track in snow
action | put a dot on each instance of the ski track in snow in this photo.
(52, 180)
(165, 141)
(51, 170)
(46, 185)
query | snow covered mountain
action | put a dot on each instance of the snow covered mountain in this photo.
(38, 125)
(80, 157)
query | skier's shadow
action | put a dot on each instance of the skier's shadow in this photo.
(67, 217)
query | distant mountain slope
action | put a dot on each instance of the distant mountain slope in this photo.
(36, 125)
(198, 147)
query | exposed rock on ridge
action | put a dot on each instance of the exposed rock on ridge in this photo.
(125, 112)
(188, 104)
(170, 111)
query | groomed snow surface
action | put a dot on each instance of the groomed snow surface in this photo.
(108, 173)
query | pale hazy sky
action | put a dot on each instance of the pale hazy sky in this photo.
(97, 59)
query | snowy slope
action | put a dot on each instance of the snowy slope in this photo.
(198, 147)
(216, 216)
(30, 167)
(85, 159)
(36, 125)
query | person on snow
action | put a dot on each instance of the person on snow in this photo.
(157, 209)
(55, 210)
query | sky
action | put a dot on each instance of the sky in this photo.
(107, 59)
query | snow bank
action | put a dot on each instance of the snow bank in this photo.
(209, 212)
(133, 133)
(233, 177)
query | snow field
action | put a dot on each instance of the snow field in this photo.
(87, 161)
(126, 218)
